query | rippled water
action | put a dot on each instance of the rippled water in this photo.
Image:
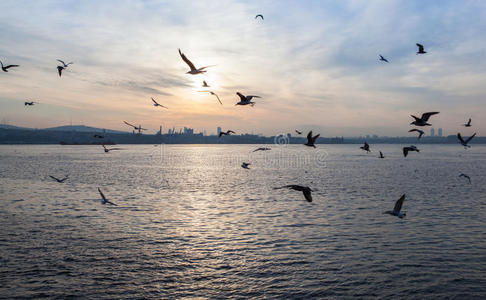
(190, 222)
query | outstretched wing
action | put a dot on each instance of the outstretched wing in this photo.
(154, 101)
(261, 16)
(129, 124)
(54, 178)
(230, 131)
(102, 195)
(11, 66)
(460, 138)
(217, 98)
(420, 46)
(307, 195)
(59, 70)
(405, 151)
(206, 67)
(398, 204)
(470, 138)
(315, 137)
(242, 97)
(187, 61)
(426, 116)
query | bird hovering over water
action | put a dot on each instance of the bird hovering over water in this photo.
(139, 128)
(194, 70)
(311, 139)
(229, 132)
(421, 132)
(5, 68)
(108, 150)
(59, 180)
(103, 198)
(262, 149)
(205, 84)
(29, 103)
(468, 124)
(383, 59)
(158, 104)
(245, 100)
(420, 49)
(365, 147)
(298, 132)
(261, 16)
(214, 94)
(397, 209)
(64, 64)
(245, 165)
(465, 176)
(465, 142)
(422, 121)
(408, 149)
(381, 155)
(307, 191)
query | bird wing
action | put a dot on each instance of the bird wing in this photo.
(416, 119)
(220, 134)
(187, 61)
(259, 16)
(469, 122)
(412, 130)
(59, 70)
(206, 67)
(129, 124)
(405, 151)
(470, 138)
(102, 195)
(426, 116)
(398, 204)
(61, 62)
(460, 138)
(204, 83)
(107, 201)
(315, 137)
(252, 96)
(420, 46)
(309, 136)
(64, 179)
(218, 98)
(11, 66)
(154, 101)
(230, 131)
(54, 178)
(307, 195)
(242, 97)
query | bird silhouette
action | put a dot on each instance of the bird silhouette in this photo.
(60, 180)
(421, 132)
(5, 68)
(397, 209)
(311, 139)
(420, 49)
(103, 198)
(261, 16)
(383, 59)
(408, 149)
(365, 147)
(422, 121)
(465, 142)
(229, 132)
(307, 191)
(468, 124)
(194, 70)
(465, 176)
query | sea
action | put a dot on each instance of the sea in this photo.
(191, 223)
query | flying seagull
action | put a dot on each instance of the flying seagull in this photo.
(262, 149)
(103, 198)
(158, 104)
(245, 165)
(29, 103)
(465, 142)
(304, 189)
(396, 210)
(421, 132)
(365, 147)
(420, 49)
(261, 16)
(229, 132)
(64, 64)
(205, 84)
(311, 139)
(193, 70)
(139, 128)
(381, 155)
(422, 121)
(59, 70)
(383, 59)
(465, 176)
(408, 149)
(298, 132)
(5, 68)
(59, 180)
(468, 124)
(108, 150)
(245, 100)
(214, 94)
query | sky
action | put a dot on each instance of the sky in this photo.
(314, 63)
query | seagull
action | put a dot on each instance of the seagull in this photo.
(468, 124)
(59, 70)
(420, 49)
(298, 132)
(229, 132)
(465, 176)
(304, 189)
(396, 210)
(311, 139)
(421, 132)
(205, 84)
(59, 180)
(381, 155)
(365, 147)
(383, 59)
(103, 198)
(261, 16)
(262, 149)
(464, 142)
(214, 94)
(108, 150)
(245, 100)
(193, 71)
(5, 68)
(98, 136)
(29, 103)
(245, 165)
(422, 121)
(157, 104)
(407, 149)
(64, 64)
(139, 128)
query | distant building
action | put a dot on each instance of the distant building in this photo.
(375, 136)
(432, 132)
(160, 131)
(188, 131)
(439, 132)
(218, 130)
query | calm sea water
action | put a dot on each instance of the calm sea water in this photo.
(190, 222)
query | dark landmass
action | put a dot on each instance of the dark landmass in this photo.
(83, 135)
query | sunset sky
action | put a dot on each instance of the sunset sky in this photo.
(315, 64)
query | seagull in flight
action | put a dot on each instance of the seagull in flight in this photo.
(311, 139)
(465, 142)
(421, 132)
(420, 49)
(245, 165)
(383, 59)
(381, 155)
(261, 16)
(262, 149)
(229, 132)
(408, 149)
(139, 128)
(64, 64)
(298, 132)
(158, 104)
(5, 68)
(59, 70)
(193, 70)
(422, 121)
(108, 150)
(307, 191)
(103, 198)
(397, 209)
(29, 103)
(245, 100)
(205, 84)
(365, 147)
(465, 176)
(468, 124)
(59, 180)
(214, 94)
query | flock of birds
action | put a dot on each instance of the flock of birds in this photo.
(247, 100)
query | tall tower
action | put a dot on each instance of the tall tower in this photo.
(432, 132)
(218, 131)
(439, 132)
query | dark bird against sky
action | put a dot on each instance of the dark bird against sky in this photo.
(245, 100)
(465, 142)
(383, 59)
(422, 121)
(420, 49)
(365, 147)
(421, 132)
(311, 139)
(5, 68)
(156, 104)
(194, 70)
